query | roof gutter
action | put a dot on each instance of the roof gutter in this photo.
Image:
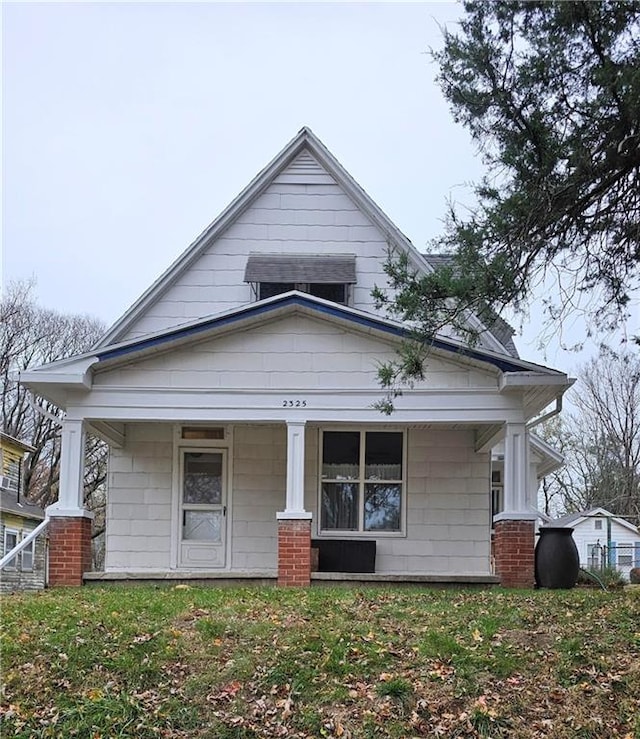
(547, 416)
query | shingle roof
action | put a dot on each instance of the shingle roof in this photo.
(9, 503)
(320, 268)
(500, 329)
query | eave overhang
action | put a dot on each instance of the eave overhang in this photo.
(56, 380)
(302, 301)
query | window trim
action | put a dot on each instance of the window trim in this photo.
(361, 533)
(17, 559)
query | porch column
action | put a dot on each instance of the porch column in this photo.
(70, 523)
(294, 523)
(514, 527)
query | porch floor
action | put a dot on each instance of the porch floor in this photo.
(216, 577)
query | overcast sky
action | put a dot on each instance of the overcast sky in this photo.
(128, 127)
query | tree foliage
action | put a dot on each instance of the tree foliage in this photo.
(600, 441)
(30, 336)
(550, 93)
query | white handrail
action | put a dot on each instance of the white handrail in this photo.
(23, 543)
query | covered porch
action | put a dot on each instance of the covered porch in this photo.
(237, 440)
(271, 498)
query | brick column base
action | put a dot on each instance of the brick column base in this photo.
(69, 550)
(294, 552)
(514, 553)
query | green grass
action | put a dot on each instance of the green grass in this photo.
(323, 662)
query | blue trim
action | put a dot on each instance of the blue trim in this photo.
(334, 311)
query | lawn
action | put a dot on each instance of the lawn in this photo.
(320, 662)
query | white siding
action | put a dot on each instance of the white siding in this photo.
(138, 535)
(259, 475)
(291, 353)
(447, 501)
(304, 212)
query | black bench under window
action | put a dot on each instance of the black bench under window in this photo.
(345, 555)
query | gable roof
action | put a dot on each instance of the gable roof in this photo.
(502, 331)
(310, 303)
(573, 519)
(11, 441)
(304, 141)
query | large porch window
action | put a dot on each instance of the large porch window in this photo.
(362, 487)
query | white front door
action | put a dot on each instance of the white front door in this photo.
(203, 509)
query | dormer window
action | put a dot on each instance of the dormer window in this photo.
(324, 276)
(336, 292)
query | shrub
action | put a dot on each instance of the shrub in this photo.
(608, 576)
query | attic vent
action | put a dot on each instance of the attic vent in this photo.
(339, 268)
(305, 163)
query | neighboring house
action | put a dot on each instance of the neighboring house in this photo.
(27, 570)
(603, 539)
(237, 397)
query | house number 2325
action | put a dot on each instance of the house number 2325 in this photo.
(294, 403)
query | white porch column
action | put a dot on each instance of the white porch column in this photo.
(294, 508)
(294, 523)
(71, 487)
(516, 474)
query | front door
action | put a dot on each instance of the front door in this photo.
(203, 510)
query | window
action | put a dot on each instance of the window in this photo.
(27, 557)
(269, 289)
(202, 496)
(625, 555)
(597, 524)
(496, 493)
(362, 481)
(496, 502)
(10, 541)
(335, 292)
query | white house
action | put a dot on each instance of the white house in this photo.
(603, 539)
(237, 396)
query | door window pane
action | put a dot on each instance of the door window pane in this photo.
(202, 478)
(202, 525)
(382, 507)
(340, 506)
(341, 455)
(383, 456)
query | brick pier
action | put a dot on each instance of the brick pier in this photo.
(514, 553)
(69, 550)
(294, 552)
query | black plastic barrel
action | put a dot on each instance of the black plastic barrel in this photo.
(557, 562)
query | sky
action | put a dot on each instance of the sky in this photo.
(128, 127)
